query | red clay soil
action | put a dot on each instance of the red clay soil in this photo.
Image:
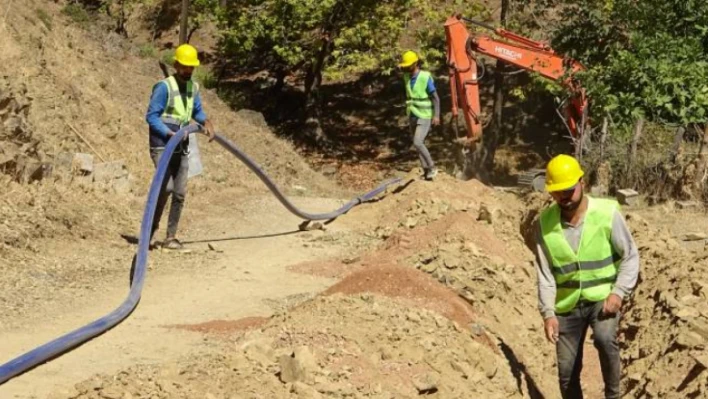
(224, 326)
(408, 284)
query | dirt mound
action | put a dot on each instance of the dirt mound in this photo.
(408, 285)
(336, 347)
(665, 329)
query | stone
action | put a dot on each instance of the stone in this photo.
(430, 267)
(31, 171)
(63, 161)
(425, 383)
(413, 316)
(451, 262)
(699, 327)
(627, 196)
(689, 339)
(107, 171)
(411, 222)
(111, 393)
(702, 359)
(121, 185)
(686, 204)
(305, 391)
(297, 367)
(687, 313)
(695, 237)
(487, 214)
(213, 247)
(82, 163)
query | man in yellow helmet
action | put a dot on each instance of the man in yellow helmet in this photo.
(587, 264)
(174, 103)
(422, 107)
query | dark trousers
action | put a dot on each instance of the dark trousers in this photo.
(573, 329)
(175, 185)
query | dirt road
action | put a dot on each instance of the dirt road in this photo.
(249, 278)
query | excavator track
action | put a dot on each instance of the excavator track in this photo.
(532, 178)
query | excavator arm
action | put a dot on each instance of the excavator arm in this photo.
(516, 50)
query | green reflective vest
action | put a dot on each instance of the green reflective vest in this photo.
(417, 101)
(591, 272)
(177, 112)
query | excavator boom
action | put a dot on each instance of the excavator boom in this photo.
(516, 50)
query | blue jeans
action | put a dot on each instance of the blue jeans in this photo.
(569, 349)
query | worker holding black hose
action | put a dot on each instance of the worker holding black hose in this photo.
(174, 103)
(422, 107)
(588, 264)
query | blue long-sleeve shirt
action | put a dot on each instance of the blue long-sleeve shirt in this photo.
(159, 131)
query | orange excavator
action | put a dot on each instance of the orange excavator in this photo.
(517, 50)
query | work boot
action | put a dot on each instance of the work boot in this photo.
(173, 244)
(431, 173)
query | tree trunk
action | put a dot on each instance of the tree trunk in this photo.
(638, 127)
(702, 162)
(631, 172)
(183, 23)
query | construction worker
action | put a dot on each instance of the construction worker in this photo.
(175, 101)
(422, 107)
(587, 264)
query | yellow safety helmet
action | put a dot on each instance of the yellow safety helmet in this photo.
(562, 173)
(187, 55)
(409, 58)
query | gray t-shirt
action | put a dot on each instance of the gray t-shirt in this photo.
(622, 243)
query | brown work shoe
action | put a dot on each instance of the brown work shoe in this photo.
(172, 244)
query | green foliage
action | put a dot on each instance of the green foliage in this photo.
(77, 14)
(45, 18)
(205, 78)
(168, 57)
(147, 50)
(290, 36)
(645, 58)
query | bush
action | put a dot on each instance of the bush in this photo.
(77, 14)
(147, 50)
(205, 78)
(45, 18)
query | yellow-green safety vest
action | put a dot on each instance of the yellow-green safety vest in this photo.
(591, 272)
(177, 112)
(418, 102)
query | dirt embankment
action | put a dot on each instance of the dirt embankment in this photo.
(399, 332)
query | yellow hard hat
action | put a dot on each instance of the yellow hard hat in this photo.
(409, 58)
(562, 173)
(187, 55)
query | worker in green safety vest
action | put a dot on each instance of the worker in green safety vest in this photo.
(422, 108)
(174, 103)
(588, 264)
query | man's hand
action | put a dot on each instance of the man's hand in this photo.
(436, 121)
(550, 326)
(209, 130)
(612, 305)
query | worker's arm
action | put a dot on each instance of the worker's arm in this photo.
(546, 281)
(200, 116)
(198, 113)
(624, 246)
(433, 94)
(158, 102)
